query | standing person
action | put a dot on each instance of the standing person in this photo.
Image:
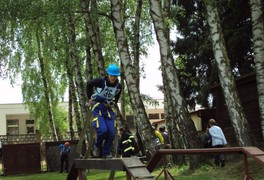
(64, 156)
(165, 136)
(103, 93)
(159, 138)
(207, 140)
(126, 143)
(218, 141)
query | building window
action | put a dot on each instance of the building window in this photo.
(162, 116)
(12, 127)
(30, 126)
(154, 116)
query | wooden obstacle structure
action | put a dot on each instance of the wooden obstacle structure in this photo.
(253, 152)
(136, 170)
(133, 166)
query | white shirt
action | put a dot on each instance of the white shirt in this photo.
(218, 137)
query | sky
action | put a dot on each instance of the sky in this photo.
(9, 94)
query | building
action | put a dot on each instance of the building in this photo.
(247, 92)
(15, 119)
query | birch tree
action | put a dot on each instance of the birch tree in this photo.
(45, 85)
(92, 25)
(258, 45)
(176, 113)
(234, 107)
(141, 119)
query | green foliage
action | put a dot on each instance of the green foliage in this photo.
(196, 67)
(22, 21)
(232, 171)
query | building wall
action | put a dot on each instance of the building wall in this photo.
(22, 127)
(20, 112)
(17, 111)
(12, 111)
(247, 91)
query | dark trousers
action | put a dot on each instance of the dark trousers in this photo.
(218, 158)
(64, 159)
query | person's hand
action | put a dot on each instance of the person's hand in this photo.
(89, 103)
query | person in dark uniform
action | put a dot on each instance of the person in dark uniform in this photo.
(103, 94)
(64, 156)
(126, 143)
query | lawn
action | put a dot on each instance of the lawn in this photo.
(232, 171)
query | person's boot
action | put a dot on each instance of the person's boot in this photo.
(108, 156)
(96, 152)
(222, 163)
(216, 162)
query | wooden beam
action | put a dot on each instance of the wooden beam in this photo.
(201, 151)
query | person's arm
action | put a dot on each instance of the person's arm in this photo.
(117, 96)
(97, 82)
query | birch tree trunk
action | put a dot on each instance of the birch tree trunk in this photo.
(234, 107)
(176, 112)
(72, 95)
(91, 23)
(45, 85)
(258, 40)
(70, 117)
(77, 68)
(141, 119)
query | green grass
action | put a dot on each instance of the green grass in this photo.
(232, 171)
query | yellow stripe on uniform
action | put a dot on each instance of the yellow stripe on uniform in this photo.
(97, 122)
(95, 105)
(108, 113)
(129, 148)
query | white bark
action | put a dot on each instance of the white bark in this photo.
(177, 108)
(258, 40)
(227, 81)
(133, 90)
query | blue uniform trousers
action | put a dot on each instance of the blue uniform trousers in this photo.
(104, 124)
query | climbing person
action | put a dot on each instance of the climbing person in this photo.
(64, 156)
(218, 141)
(103, 94)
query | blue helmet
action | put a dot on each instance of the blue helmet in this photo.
(113, 70)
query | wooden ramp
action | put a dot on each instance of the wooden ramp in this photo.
(134, 168)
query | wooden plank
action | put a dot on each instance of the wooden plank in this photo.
(155, 159)
(201, 151)
(132, 162)
(139, 172)
(259, 158)
(254, 151)
(98, 163)
(136, 168)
